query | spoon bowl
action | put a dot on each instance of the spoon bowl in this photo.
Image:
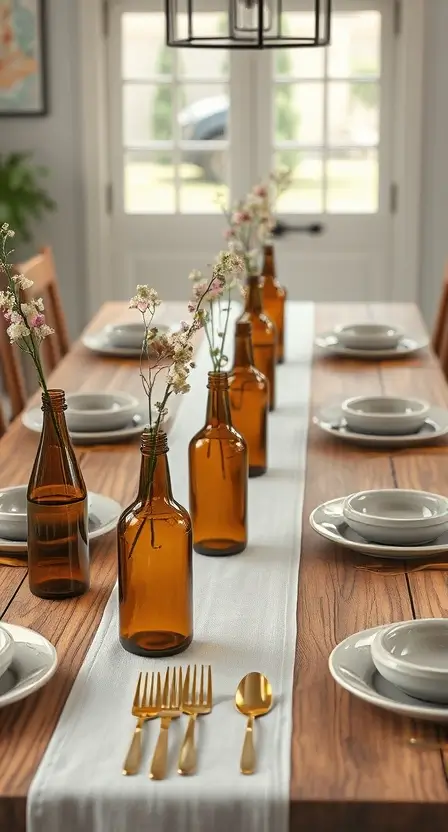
(253, 698)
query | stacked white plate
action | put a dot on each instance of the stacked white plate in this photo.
(369, 341)
(97, 418)
(400, 667)
(27, 662)
(384, 421)
(395, 523)
(120, 340)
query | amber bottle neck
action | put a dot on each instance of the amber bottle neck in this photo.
(218, 405)
(154, 468)
(54, 425)
(253, 298)
(244, 356)
(268, 264)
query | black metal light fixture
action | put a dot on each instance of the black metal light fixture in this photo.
(250, 24)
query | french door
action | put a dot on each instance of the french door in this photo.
(189, 126)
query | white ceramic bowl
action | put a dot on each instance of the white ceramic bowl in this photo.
(369, 336)
(384, 415)
(6, 650)
(13, 522)
(397, 516)
(413, 656)
(130, 336)
(99, 411)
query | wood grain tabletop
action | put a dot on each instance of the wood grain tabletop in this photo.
(352, 767)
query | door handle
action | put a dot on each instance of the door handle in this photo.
(282, 228)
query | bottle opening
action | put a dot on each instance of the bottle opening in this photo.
(218, 381)
(54, 399)
(152, 441)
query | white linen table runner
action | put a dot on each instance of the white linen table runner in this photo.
(244, 620)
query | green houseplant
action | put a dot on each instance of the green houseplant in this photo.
(22, 196)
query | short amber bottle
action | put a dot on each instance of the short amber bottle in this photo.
(155, 561)
(218, 468)
(264, 336)
(249, 400)
(274, 299)
(58, 545)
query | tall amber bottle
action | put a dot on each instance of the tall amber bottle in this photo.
(274, 299)
(218, 463)
(155, 561)
(249, 400)
(58, 547)
(264, 337)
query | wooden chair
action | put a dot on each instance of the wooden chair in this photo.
(41, 270)
(440, 333)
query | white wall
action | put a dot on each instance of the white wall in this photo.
(56, 143)
(434, 214)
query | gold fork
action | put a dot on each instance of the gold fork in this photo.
(193, 704)
(171, 709)
(145, 706)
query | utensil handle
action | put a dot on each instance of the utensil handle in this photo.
(247, 762)
(158, 764)
(133, 759)
(187, 756)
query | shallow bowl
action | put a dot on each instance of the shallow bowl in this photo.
(413, 656)
(397, 516)
(384, 415)
(130, 336)
(13, 522)
(6, 650)
(99, 411)
(369, 336)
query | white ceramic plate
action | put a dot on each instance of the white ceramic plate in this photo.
(352, 667)
(100, 343)
(32, 419)
(330, 419)
(328, 521)
(6, 649)
(34, 663)
(330, 345)
(103, 516)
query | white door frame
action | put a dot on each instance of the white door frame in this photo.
(406, 164)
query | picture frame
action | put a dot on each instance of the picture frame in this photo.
(23, 76)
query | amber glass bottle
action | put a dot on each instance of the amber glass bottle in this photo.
(218, 463)
(274, 299)
(155, 561)
(58, 547)
(249, 400)
(264, 337)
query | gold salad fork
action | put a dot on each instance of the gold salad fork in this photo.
(171, 709)
(194, 703)
(145, 706)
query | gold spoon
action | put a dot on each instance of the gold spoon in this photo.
(253, 698)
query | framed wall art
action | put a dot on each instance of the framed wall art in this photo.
(22, 58)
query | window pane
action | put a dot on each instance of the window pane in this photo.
(202, 174)
(298, 63)
(355, 45)
(203, 111)
(353, 113)
(205, 63)
(147, 113)
(144, 53)
(352, 182)
(305, 194)
(149, 186)
(299, 113)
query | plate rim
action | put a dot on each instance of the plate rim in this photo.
(9, 698)
(374, 698)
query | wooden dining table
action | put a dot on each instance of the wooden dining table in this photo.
(352, 766)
